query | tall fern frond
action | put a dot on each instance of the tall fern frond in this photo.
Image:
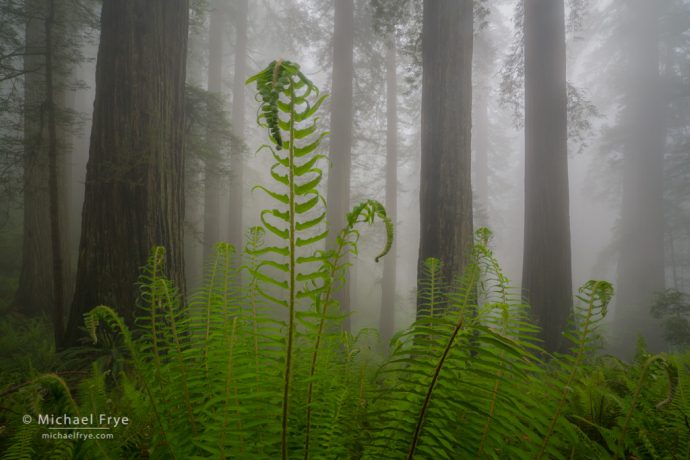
(289, 101)
(347, 239)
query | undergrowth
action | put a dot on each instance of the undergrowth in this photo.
(262, 369)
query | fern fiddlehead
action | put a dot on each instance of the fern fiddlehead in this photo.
(364, 212)
(285, 91)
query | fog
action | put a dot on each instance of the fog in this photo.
(629, 199)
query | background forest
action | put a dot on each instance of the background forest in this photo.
(345, 228)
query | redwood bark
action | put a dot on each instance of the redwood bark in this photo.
(134, 185)
(445, 196)
(546, 269)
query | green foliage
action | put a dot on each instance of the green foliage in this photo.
(262, 369)
(674, 307)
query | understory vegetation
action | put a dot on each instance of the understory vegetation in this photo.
(255, 363)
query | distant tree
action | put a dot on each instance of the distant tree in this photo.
(213, 178)
(445, 188)
(50, 53)
(673, 307)
(134, 185)
(340, 150)
(194, 158)
(641, 263)
(387, 319)
(241, 18)
(546, 272)
(483, 67)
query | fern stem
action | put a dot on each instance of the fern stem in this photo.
(228, 380)
(427, 397)
(292, 275)
(636, 395)
(437, 371)
(180, 360)
(317, 343)
(209, 302)
(492, 409)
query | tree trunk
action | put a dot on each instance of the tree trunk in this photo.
(56, 241)
(44, 96)
(338, 195)
(214, 180)
(546, 269)
(387, 320)
(134, 184)
(483, 69)
(194, 176)
(445, 196)
(641, 262)
(34, 294)
(238, 125)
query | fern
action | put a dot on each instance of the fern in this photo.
(365, 212)
(435, 395)
(297, 174)
(595, 296)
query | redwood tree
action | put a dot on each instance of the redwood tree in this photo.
(445, 184)
(238, 124)
(213, 180)
(340, 153)
(546, 269)
(641, 262)
(387, 320)
(134, 182)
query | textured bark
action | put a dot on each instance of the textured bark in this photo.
(213, 180)
(387, 320)
(641, 262)
(546, 269)
(445, 196)
(338, 196)
(238, 125)
(134, 184)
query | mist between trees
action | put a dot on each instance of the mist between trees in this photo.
(560, 125)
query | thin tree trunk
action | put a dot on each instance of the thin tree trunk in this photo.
(238, 126)
(34, 294)
(641, 263)
(387, 319)
(194, 178)
(42, 145)
(214, 180)
(54, 205)
(445, 196)
(481, 142)
(338, 195)
(134, 184)
(483, 68)
(546, 269)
